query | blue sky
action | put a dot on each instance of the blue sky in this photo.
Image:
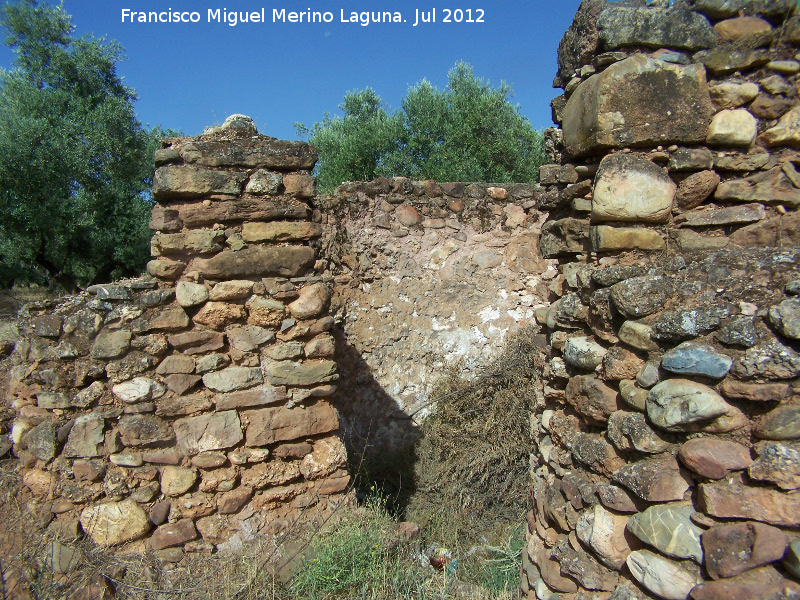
(190, 75)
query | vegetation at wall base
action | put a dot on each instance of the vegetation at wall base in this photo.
(75, 163)
(468, 132)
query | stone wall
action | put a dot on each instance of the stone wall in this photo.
(192, 407)
(668, 463)
(428, 277)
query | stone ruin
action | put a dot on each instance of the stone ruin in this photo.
(188, 405)
(659, 255)
(668, 461)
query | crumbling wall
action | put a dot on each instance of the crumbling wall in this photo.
(667, 427)
(192, 407)
(428, 277)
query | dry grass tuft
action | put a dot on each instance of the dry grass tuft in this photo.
(472, 460)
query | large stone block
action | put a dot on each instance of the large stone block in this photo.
(673, 28)
(286, 372)
(259, 151)
(606, 238)
(200, 241)
(565, 236)
(282, 424)
(280, 231)
(288, 261)
(215, 431)
(115, 522)
(175, 181)
(580, 42)
(631, 188)
(247, 209)
(638, 101)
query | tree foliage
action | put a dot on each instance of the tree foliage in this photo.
(469, 131)
(75, 163)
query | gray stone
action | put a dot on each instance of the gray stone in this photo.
(249, 337)
(640, 296)
(111, 344)
(637, 101)
(792, 560)
(41, 441)
(769, 360)
(691, 358)
(177, 363)
(284, 351)
(672, 28)
(191, 294)
(232, 379)
(86, 438)
(727, 59)
(723, 9)
(786, 318)
(782, 423)
(143, 430)
(52, 400)
(263, 182)
(582, 566)
(735, 215)
(564, 237)
(793, 287)
(139, 389)
(48, 326)
(631, 188)
(661, 576)
(676, 325)
(206, 433)
(738, 332)
(247, 150)
(174, 181)
(286, 261)
(110, 292)
(584, 353)
(567, 312)
(580, 42)
(211, 362)
(610, 275)
(691, 159)
(669, 529)
(654, 479)
(648, 375)
(679, 404)
(630, 431)
(778, 463)
(157, 297)
(294, 373)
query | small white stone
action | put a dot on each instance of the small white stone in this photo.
(732, 128)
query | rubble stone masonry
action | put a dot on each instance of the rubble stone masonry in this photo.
(659, 255)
